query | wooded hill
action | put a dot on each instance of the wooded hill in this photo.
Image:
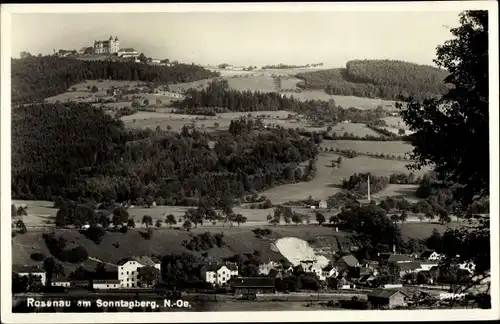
(73, 150)
(36, 78)
(384, 79)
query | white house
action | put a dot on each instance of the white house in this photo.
(430, 256)
(106, 284)
(328, 272)
(219, 274)
(322, 204)
(469, 266)
(31, 270)
(265, 268)
(128, 269)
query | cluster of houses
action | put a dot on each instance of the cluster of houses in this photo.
(347, 269)
(126, 274)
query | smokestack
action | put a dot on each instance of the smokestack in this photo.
(394, 248)
(368, 187)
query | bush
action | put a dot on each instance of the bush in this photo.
(37, 256)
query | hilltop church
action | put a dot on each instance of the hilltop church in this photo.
(110, 46)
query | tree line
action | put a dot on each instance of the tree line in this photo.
(385, 79)
(36, 78)
(76, 151)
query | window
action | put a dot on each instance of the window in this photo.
(107, 286)
(127, 272)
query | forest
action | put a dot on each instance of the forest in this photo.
(384, 79)
(73, 150)
(36, 78)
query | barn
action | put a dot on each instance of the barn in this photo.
(387, 298)
(254, 285)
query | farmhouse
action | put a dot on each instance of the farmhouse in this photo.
(346, 262)
(328, 272)
(106, 284)
(219, 274)
(387, 298)
(128, 269)
(430, 256)
(253, 285)
(30, 270)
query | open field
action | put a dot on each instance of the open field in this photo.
(145, 119)
(252, 83)
(389, 147)
(357, 129)
(395, 122)
(328, 179)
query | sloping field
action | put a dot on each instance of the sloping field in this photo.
(355, 128)
(327, 180)
(423, 230)
(252, 83)
(181, 87)
(166, 241)
(388, 147)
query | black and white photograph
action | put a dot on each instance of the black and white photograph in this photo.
(249, 161)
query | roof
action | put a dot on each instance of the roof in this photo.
(399, 258)
(329, 267)
(107, 281)
(127, 49)
(144, 260)
(253, 282)
(61, 279)
(409, 265)
(385, 293)
(350, 260)
(26, 268)
(426, 254)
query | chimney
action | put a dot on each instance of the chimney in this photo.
(394, 248)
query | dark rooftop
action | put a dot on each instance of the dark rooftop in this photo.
(399, 258)
(26, 268)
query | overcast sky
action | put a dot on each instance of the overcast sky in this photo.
(244, 38)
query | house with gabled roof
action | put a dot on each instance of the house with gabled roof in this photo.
(430, 256)
(387, 298)
(399, 258)
(408, 267)
(128, 269)
(219, 273)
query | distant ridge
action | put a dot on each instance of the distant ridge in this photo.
(384, 79)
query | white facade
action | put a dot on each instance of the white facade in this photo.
(110, 46)
(128, 272)
(469, 266)
(434, 256)
(106, 284)
(323, 204)
(426, 266)
(40, 274)
(221, 276)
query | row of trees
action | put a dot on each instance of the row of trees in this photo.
(36, 78)
(74, 151)
(386, 79)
